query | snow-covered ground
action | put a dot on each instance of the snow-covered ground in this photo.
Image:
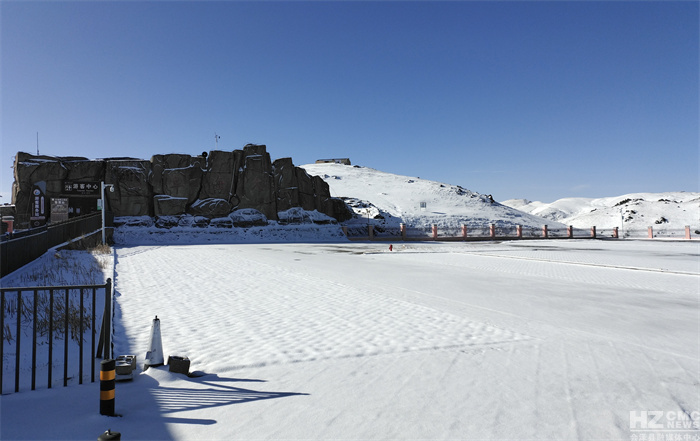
(667, 213)
(388, 199)
(512, 340)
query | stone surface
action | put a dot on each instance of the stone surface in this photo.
(210, 208)
(248, 217)
(220, 175)
(307, 198)
(255, 182)
(286, 184)
(164, 205)
(175, 184)
(177, 175)
(132, 194)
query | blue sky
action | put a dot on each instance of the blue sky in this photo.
(536, 100)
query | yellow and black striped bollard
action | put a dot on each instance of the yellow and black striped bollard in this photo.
(107, 384)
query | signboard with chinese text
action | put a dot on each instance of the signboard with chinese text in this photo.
(89, 188)
(38, 217)
(59, 209)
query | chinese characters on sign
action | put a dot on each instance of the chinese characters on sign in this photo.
(38, 217)
(91, 188)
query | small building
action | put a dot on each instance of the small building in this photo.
(344, 161)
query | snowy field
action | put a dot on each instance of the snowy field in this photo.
(512, 340)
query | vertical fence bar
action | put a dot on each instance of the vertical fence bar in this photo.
(80, 346)
(50, 335)
(65, 342)
(2, 335)
(92, 351)
(18, 338)
(108, 320)
(36, 298)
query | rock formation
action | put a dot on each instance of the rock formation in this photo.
(206, 187)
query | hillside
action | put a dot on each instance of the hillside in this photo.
(668, 213)
(387, 199)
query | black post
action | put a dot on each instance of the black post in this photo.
(107, 386)
(92, 350)
(80, 345)
(36, 298)
(2, 334)
(19, 334)
(50, 335)
(65, 341)
(108, 320)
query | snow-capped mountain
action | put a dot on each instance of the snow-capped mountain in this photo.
(631, 212)
(387, 199)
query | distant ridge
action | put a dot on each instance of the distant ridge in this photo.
(634, 211)
(387, 200)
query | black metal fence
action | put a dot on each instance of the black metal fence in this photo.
(49, 314)
(18, 249)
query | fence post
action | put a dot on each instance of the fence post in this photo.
(402, 227)
(492, 231)
(464, 231)
(107, 322)
(519, 231)
(570, 231)
(545, 233)
(434, 232)
(2, 336)
(615, 235)
(593, 233)
(651, 232)
(687, 232)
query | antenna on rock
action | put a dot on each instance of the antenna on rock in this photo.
(37, 143)
(216, 140)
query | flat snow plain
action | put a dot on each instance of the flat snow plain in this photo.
(513, 340)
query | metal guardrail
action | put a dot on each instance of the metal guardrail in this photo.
(20, 248)
(495, 232)
(38, 310)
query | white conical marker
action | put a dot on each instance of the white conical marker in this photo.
(154, 356)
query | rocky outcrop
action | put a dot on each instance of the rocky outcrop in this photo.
(132, 195)
(286, 184)
(248, 217)
(210, 208)
(206, 187)
(177, 175)
(164, 205)
(255, 182)
(220, 176)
